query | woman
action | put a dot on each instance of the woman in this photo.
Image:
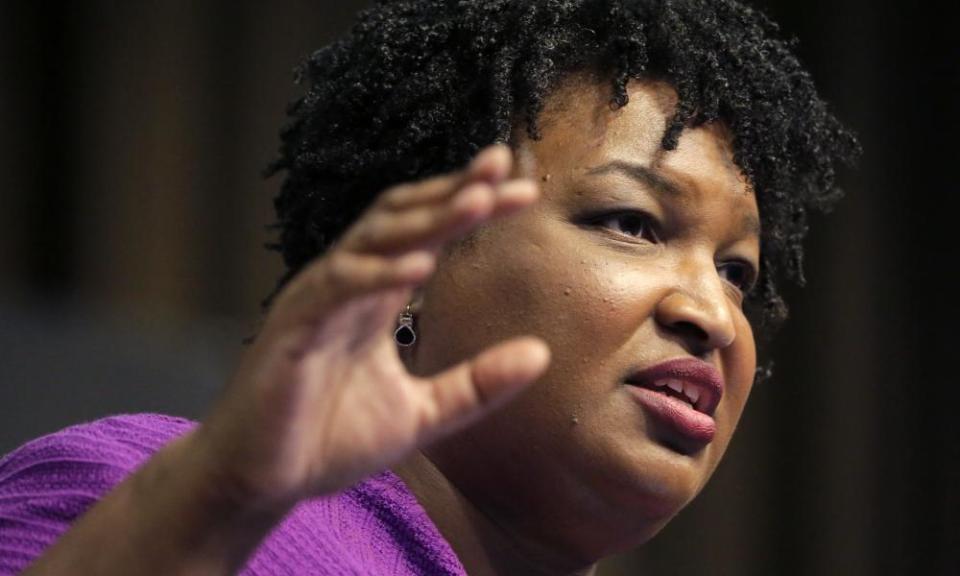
(517, 367)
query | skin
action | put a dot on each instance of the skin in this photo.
(321, 399)
(559, 311)
(574, 469)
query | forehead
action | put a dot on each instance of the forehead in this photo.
(582, 134)
(581, 103)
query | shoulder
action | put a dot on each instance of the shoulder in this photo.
(48, 482)
(119, 443)
(375, 527)
(402, 524)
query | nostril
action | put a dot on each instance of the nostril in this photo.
(700, 325)
(692, 329)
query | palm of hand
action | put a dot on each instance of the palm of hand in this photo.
(322, 398)
(366, 408)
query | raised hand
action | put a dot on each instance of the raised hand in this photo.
(322, 399)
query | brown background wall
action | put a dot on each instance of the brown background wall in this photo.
(131, 263)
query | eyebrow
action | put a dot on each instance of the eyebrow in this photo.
(749, 225)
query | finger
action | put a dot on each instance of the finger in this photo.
(432, 226)
(390, 233)
(491, 165)
(411, 195)
(515, 194)
(342, 275)
(465, 393)
(346, 274)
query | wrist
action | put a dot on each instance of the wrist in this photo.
(212, 526)
(217, 485)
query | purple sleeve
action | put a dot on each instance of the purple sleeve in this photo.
(49, 482)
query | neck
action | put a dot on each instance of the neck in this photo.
(484, 547)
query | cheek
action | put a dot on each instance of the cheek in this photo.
(740, 362)
(593, 309)
(586, 304)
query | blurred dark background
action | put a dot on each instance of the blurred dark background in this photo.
(132, 264)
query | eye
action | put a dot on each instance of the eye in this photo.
(743, 275)
(629, 222)
(637, 224)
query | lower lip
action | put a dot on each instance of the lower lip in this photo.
(676, 413)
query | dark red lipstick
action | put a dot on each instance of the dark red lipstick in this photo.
(683, 393)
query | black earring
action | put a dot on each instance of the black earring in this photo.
(404, 335)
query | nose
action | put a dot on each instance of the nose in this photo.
(698, 307)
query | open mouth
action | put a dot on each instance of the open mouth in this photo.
(691, 381)
(684, 392)
(681, 395)
(685, 426)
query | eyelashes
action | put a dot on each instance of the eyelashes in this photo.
(637, 220)
(748, 283)
(638, 225)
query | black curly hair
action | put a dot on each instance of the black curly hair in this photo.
(419, 86)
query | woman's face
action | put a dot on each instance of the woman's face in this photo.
(577, 462)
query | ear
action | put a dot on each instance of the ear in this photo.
(407, 353)
(416, 300)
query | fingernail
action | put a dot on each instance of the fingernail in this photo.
(469, 195)
(494, 160)
(518, 190)
(417, 263)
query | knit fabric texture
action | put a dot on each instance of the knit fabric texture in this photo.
(375, 527)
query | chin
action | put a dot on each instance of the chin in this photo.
(644, 520)
(623, 534)
(667, 479)
(647, 488)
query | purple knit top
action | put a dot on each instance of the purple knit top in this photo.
(376, 527)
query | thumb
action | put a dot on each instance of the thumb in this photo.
(465, 393)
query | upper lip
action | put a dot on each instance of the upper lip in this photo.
(692, 372)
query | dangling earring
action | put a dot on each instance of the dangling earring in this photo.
(405, 335)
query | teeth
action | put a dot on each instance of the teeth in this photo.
(691, 393)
